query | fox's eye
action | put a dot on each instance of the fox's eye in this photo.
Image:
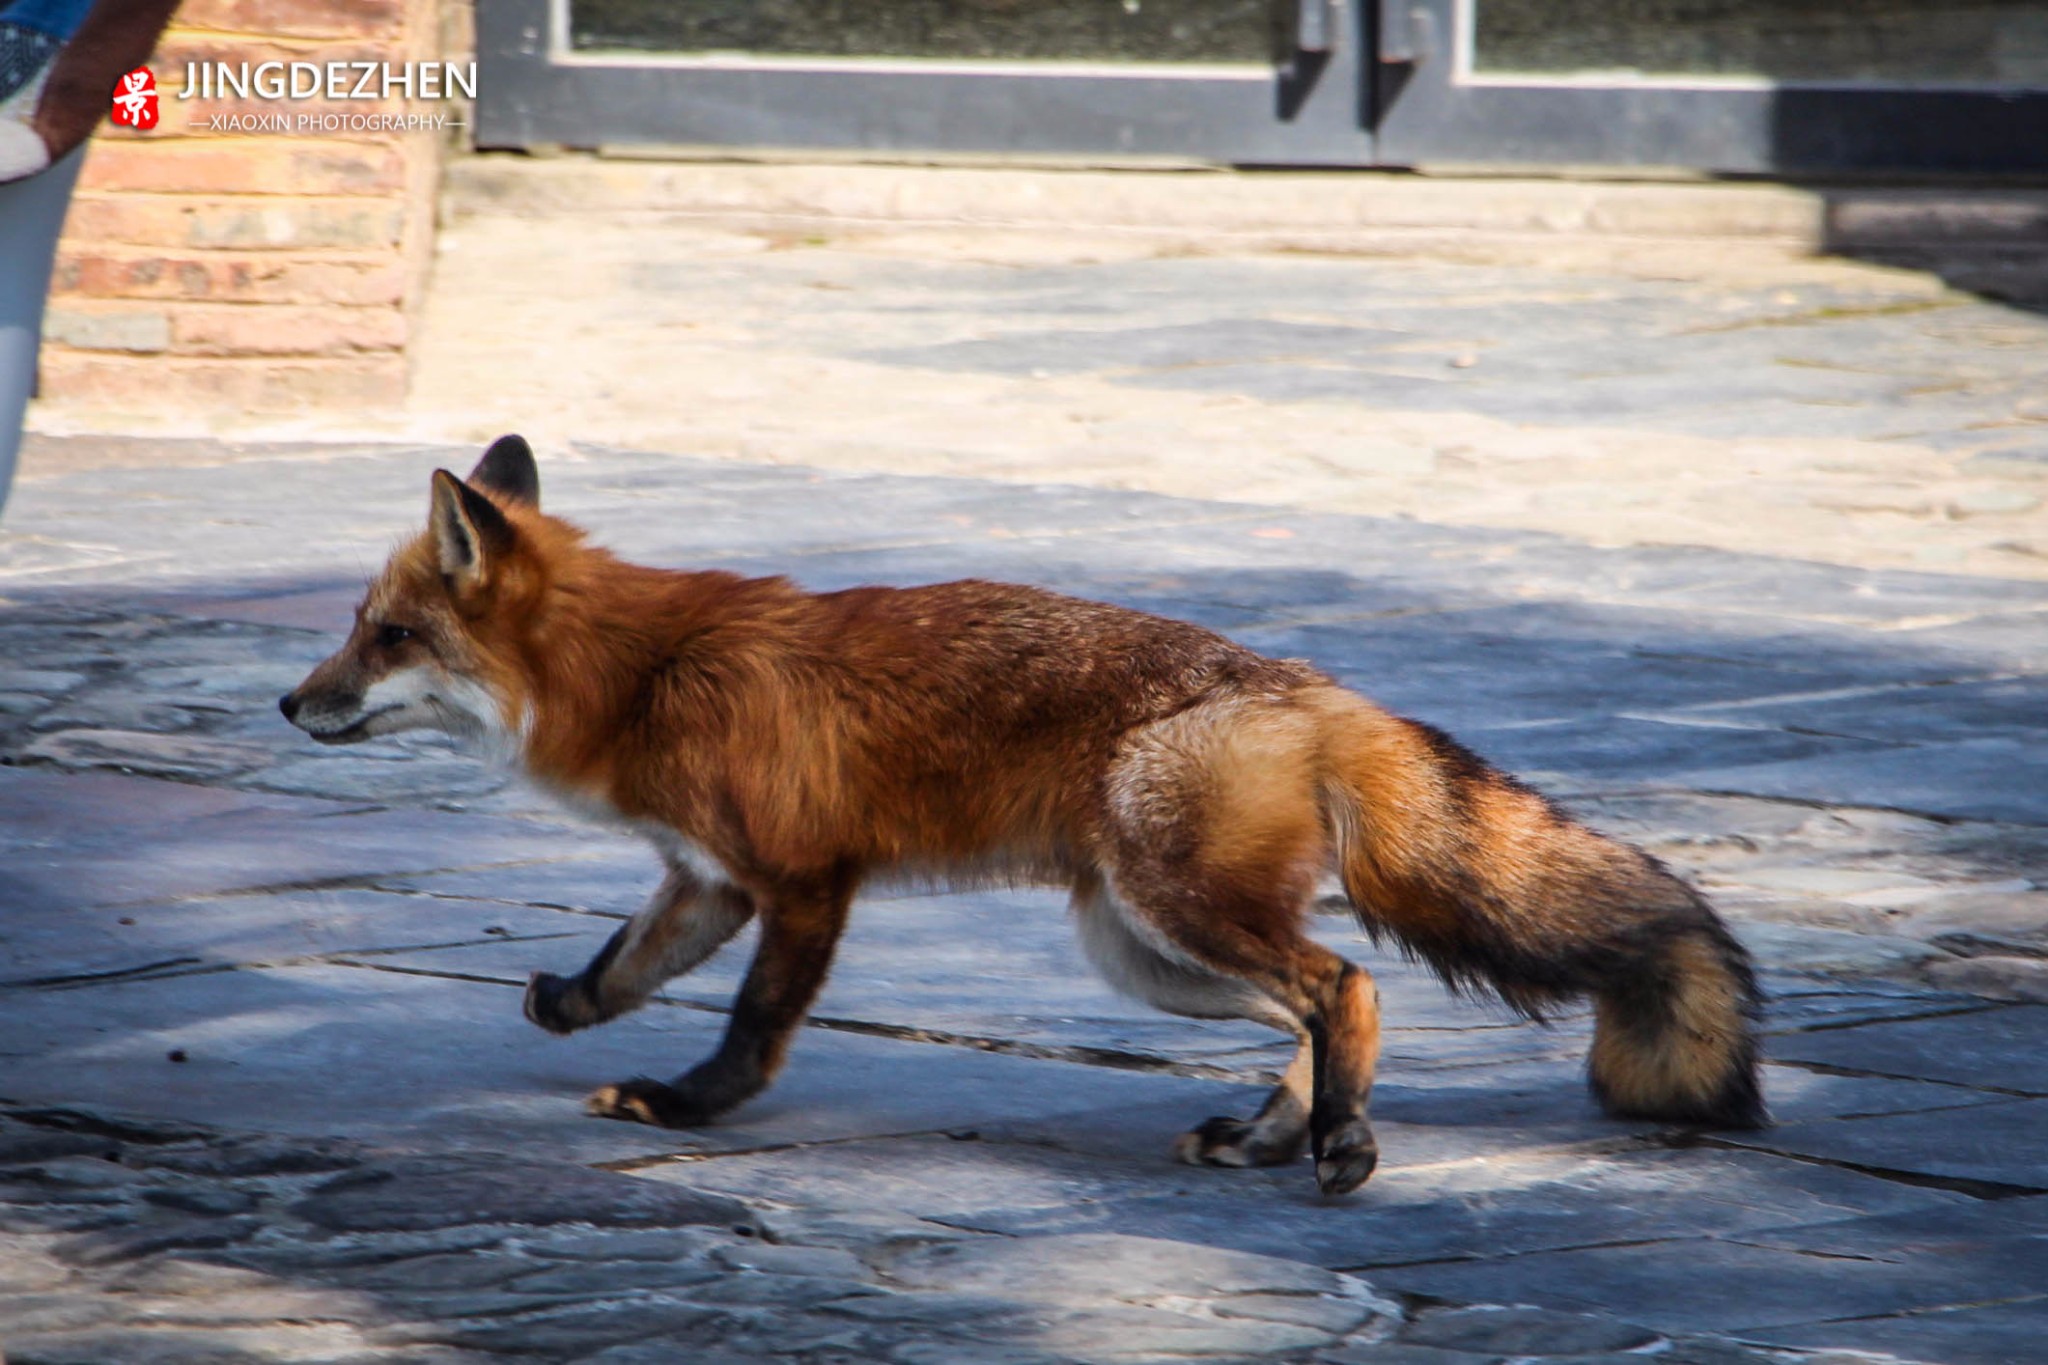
(391, 637)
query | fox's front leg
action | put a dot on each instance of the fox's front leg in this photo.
(799, 930)
(686, 921)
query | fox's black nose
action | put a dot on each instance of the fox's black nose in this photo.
(289, 704)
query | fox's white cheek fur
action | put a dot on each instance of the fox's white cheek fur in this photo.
(465, 710)
(479, 721)
(398, 701)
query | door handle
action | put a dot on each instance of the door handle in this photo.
(1407, 34)
(1316, 25)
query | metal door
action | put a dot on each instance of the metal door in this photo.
(1243, 82)
(1778, 86)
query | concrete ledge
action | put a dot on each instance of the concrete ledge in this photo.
(1346, 210)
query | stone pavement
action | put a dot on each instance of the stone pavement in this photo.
(1593, 372)
(265, 1091)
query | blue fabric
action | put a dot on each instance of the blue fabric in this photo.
(58, 18)
(31, 214)
(23, 53)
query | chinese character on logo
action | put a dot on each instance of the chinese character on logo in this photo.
(135, 100)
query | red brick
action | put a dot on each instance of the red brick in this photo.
(241, 330)
(181, 46)
(232, 277)
(100, 325)
(307, 18)
(253, 165)
(359, 223)
(150, 385)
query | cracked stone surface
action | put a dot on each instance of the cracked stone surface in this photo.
(1690, 397)
(265, 1091)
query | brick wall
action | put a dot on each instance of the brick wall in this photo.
(266, 271)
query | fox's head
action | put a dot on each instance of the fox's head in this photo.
(436, 638)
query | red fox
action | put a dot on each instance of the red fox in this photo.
(782, 748)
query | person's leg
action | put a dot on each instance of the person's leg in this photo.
(31, 216)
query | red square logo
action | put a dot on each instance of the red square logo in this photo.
(135, 100)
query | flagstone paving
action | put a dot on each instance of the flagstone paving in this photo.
(266, 1094)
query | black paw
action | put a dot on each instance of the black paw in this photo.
(556, 1003)
(642, 1100)
(1226, 1141)
(1345, 1157)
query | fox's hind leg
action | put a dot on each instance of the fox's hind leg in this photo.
(800, 929)
(1214, 840)
(685, 922)
(1279, 1131)
(1329, 1003)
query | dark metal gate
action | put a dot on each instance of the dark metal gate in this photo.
(1249, 85)
(1774, 86)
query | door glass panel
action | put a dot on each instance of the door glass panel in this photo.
(1974, 42)
(1003, 30)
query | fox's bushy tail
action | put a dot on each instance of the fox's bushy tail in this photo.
(1499, 891)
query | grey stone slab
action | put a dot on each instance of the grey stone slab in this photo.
(1554, 1092)
(1428, 1202)
(1984, 779)
(1631, 748)
(1692, 579)
(1795, 1002)
(1999, 1334)
(397, 1056)
(1746, 402)
(1694, 1286)
(1835, 952)
(150, 754)
(2000, 708)
(38, 809)
(2016, 639)
(1799, 1095)
(1169, 347)
(1417, 1123)
(326, 607)
(64, 724)
(1518, 665)
(1502, 1205)
(1492, 1147)
(1083, 1267)
(1899, 1236)
(101, 839)
(91, 941)
(1524, 1332)
(618, 883)
(708, 508)
(416, 1193)
(1998, 1144)
(1997, 1049)
(411, 779)
(970, 1177)
(1395, 1353)
(1195, 572)
(1405, 1050)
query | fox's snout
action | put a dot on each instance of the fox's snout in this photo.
(331, 703)
(329, 716)
(293, 705)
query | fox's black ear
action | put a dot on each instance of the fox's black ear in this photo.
(508, 470)
(468, 529)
